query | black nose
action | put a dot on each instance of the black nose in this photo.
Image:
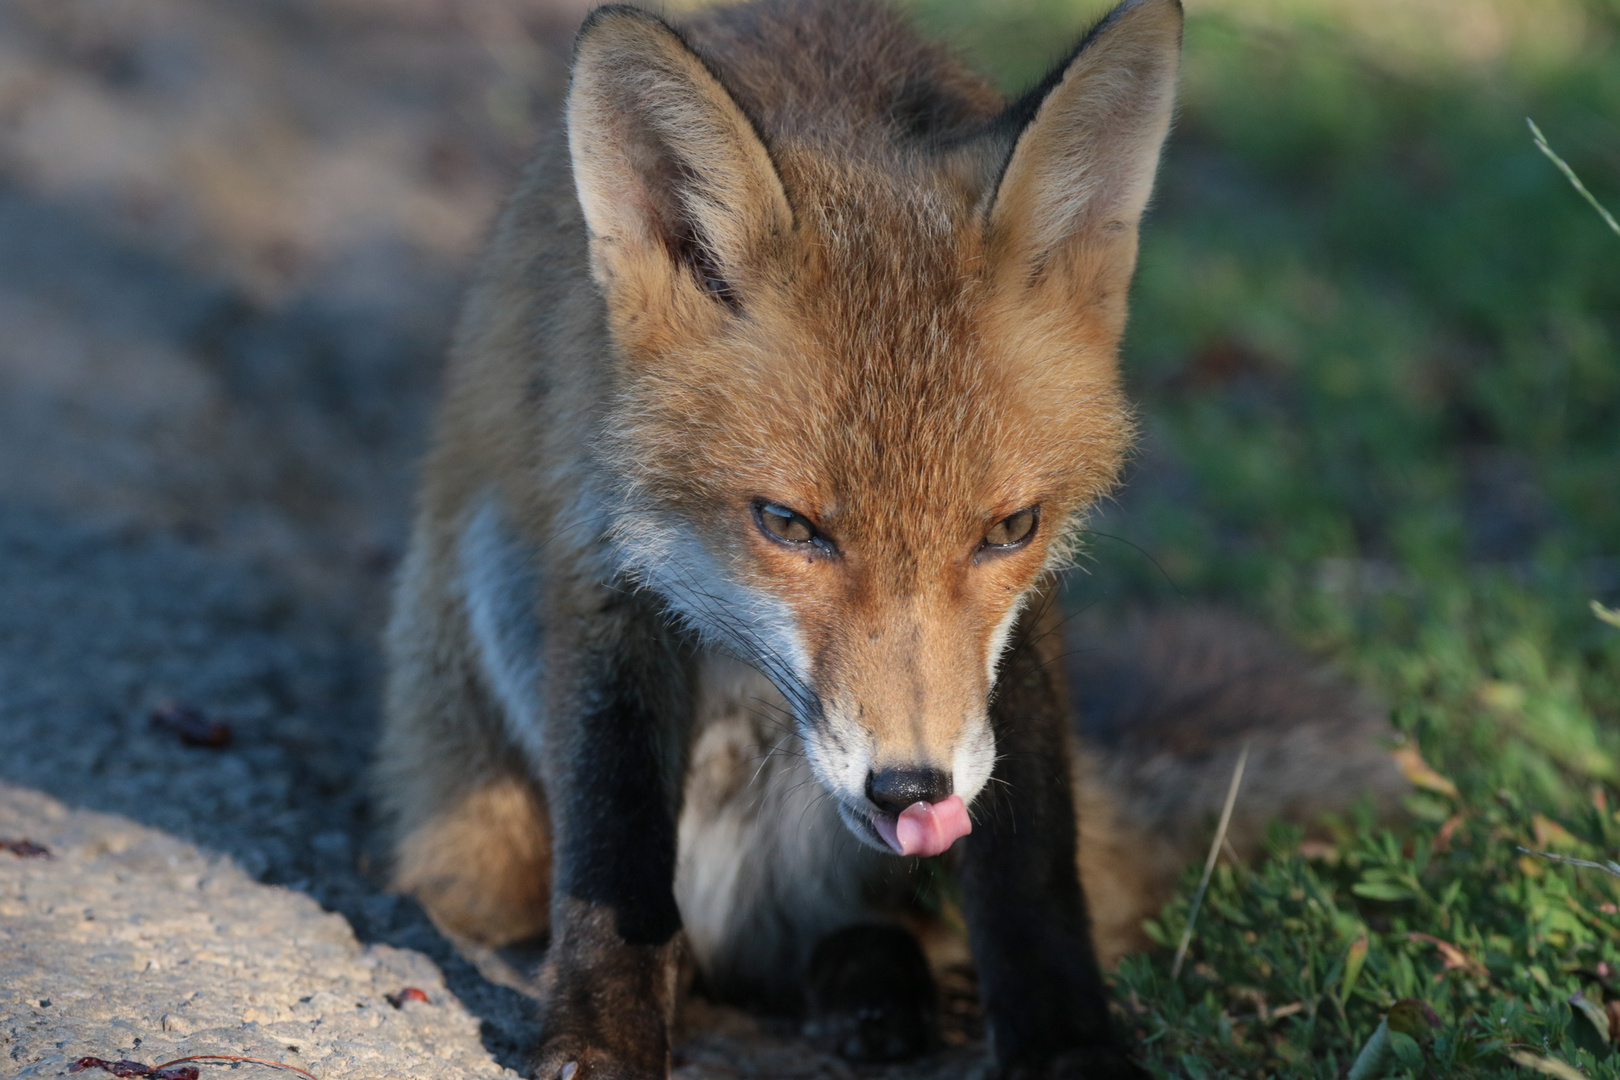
(892, 790)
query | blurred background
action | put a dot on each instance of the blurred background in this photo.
(1375, 343)
(232, 236)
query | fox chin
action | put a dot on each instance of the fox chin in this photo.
(780, 397)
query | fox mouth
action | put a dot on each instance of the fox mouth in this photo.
(862, 822)
(921, 829)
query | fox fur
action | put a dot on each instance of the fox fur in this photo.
(780, 395)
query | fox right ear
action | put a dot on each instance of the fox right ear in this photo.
(678, 191)
(1064, 212)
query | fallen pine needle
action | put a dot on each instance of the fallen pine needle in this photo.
(1209, 863)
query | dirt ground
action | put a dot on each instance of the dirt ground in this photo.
(232, 236)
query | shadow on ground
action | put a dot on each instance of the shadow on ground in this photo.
(231, 239)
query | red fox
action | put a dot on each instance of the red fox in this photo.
(780, 398)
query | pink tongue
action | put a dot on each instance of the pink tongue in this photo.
(929, 829)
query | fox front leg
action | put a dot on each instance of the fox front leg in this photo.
(613, 748)
(1042, 991)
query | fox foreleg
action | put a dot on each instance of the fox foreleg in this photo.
(1042, 991)
(615, 743)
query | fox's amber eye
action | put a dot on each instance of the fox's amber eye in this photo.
(1014, 530)
(780, 523)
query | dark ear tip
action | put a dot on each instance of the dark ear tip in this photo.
(1172, 8)
(1130, 5)
(1022, 110)
(608, 14)
(1162, 8)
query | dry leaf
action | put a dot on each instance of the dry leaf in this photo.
(1415, 769)
(1550, 834)
(1442, 839)
(1453, 957)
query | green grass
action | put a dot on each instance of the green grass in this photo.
(1376, 345)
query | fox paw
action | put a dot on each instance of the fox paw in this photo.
(569, 1059)
(870, 995)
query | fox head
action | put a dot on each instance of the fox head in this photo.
(866, 384)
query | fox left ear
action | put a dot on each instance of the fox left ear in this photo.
(679, 193)
(1065, 210)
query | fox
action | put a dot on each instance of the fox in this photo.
(774, 413)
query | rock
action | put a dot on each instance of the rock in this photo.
(129, 943)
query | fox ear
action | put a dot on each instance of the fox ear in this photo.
(677, 188)
(1080, 170)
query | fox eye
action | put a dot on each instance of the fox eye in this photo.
(787, 526)
(1014, 530)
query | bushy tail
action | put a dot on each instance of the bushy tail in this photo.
(1165, 705)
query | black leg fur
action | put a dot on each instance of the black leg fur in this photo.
(615, 732)
(1043, 993)
(870, 996)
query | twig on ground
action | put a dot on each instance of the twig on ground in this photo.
(1209, 863)
(167, 1070)
(127, 1068)
(1569, 174)
(252, 1060)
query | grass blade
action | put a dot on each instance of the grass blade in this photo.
(1369, 1062)
(1569, 174)
(1611, 868)
(1209, 863)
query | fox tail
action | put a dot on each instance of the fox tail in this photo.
(1164, 706)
